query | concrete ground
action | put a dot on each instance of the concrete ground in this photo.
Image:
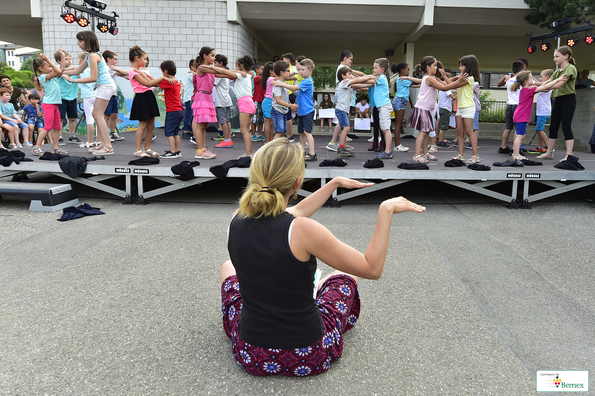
(473, 300)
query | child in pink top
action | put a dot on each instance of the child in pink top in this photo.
(268, 75)
(203, 106)
(522, 114)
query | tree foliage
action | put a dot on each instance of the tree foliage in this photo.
(28, 63)
(545, 11)
(325, 76)
(21, 79)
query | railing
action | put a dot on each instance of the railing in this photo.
(492, 111)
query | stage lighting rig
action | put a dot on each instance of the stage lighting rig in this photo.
(589, 38)
(545, 45)
(572, 34)
(531, 48)
(86, 11)
(572, 40)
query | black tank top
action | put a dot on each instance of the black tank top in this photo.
(279, 310)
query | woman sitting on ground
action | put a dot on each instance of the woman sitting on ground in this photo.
(279, 318)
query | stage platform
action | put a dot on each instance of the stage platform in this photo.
(101, 175)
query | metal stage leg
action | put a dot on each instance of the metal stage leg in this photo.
(95, 182)
(480, 188)
(174, 185)
(557, 189)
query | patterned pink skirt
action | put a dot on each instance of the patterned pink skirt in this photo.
(421, 120)
(339, 304)
(203, 108)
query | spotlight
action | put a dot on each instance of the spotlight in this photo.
(545, 46)
(82, 21)
(589, 38)
(113, 29)
(531, 48)
(571, 41)
(102, 26)
(68, 16)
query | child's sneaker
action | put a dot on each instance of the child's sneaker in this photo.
(443, 145)
(205, 154)
(27, 144)
(186, 135)
(193, 140)
(74, 140)
(384, 155)
(332, 146)
(536, 150)
(178, 154)
(61, 141)
(255, 138)
(168, 154)
(401, 148)
(343, 152)
(218, 137)
(263, 138)
(291, 139)
(505, 150)
(116, 137)
(224, 144)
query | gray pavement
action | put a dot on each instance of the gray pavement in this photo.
(474, 298)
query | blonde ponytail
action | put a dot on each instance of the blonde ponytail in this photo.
(274, 170)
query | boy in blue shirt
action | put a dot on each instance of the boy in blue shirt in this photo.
(69, 92)
(33, 117)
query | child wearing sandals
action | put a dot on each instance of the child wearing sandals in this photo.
(421, 116)
(51, 99)
(88, 97)
(522, 114)
(466, 107)
(144, 105)
(280, 319)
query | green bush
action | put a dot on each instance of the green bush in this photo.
(21, 79)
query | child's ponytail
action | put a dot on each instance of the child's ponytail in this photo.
(37, 64)
(200, 59)
(566, 50)
(425, 62)
(521, 79)
(266, 73)
(246, 61)
(134, 52)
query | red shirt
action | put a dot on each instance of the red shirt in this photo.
(171, 92)
(258, 91)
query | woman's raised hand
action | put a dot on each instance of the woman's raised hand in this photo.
(401, 204)
(350, 183)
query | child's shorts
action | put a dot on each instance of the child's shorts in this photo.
(258, 117)
(541, 121)
(466, 112)
(343, 118)
(106, 91)
(521, 128)
(339, 305)
(37, 121)
(444, 118)
(21, 125)
(222, 114)
(509, 114)
(306, 123)
(173, 120)
(399, 103)
(112, 106)
(68, 107)
(246, 105)
(384, 117)
(279, 121)
(267, 105)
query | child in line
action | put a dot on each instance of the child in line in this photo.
(33, 117)
(382, 102)
(68, 107)
(268, 76)
(223, 103)
(343, 100)
(543, 111)
(281, 103)
(399, 103)
(47, 72)
(11, 121)
(258, 97)
(522, 114)
(105, 86)
(511, 105)
(289, 58)
(88, 97)
(305, 103)
(111, 111)
(466, 107)
(243, 91)
(326, 103)
(173, 108)
(202, 105)
(188, 93)
(564, 102)
(445, 99)
(144, 105)
(421, 116)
